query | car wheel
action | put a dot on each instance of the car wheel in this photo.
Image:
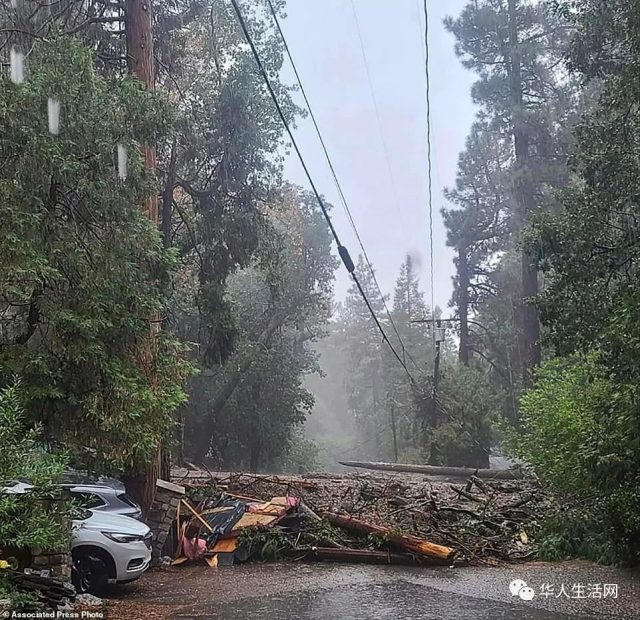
(89, 574)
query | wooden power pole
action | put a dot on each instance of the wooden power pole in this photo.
(141, 64)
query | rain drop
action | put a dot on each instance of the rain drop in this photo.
(17, 66)
(122, 161)
(54, 116)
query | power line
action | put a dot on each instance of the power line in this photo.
(338, 185)
(342, 250)
(430, 188)
(376, 108)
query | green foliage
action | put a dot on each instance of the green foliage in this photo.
(280, 304)
(262, 544)
(375, 541)
(469, 407)
(81, 267)
(302, 456)
(580, 439)
(558, 421)
(226, 158)
(513, 163)
(582, 427)
(40, 517)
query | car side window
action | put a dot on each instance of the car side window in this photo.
(89, 500)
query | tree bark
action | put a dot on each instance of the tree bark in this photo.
(140, 60)
(411, 544)
(431, 470)
(530, 328)
(229, 386)
(463, 305)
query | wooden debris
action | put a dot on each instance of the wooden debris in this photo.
(410, 544)
(432, 470)
(363, 556)
(483, 530)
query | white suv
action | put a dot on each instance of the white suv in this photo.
(108, 548)
(105, 547)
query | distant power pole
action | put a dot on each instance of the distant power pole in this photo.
(392, 410)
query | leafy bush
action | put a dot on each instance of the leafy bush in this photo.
(467, 407)
(41, 517)
(302, 456)
(578, 432)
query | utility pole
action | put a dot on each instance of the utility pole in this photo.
(141, 64)
(438, 337)
(393, 428)
(436, 375)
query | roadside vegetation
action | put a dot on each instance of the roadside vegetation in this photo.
(576, 418)
(40, 519)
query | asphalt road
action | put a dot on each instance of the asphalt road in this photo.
(330, 592)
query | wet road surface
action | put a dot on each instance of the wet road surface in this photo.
(395, 600)
(333, 592)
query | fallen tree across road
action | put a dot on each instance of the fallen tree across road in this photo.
(434, 470)
(485, 521)
(410, 544)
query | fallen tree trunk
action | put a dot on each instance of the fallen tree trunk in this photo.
(410, 544)
(434, 470)
(365, 556)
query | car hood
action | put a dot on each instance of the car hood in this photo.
(18, 488)
(111, 522)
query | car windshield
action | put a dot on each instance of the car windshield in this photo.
(86, 499)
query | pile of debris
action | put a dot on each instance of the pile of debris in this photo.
(50, 592)
(359, 517)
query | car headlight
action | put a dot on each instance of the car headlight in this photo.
(123, 538)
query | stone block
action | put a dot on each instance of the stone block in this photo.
(170, 486)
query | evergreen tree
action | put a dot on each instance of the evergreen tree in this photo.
(366, 382)
(526, 102)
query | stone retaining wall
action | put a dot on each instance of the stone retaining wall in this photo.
(162, 515)
(57, 563)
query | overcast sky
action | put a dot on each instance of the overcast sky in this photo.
(387, 195)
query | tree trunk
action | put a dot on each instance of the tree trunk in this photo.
(410, 544)
(140, 60)
(228, 387)
(530, 325)
(365, 556)
(431, 470)
(167, 198)
(463, 305)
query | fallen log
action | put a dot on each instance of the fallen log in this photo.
(365, 556)
(433, 470)
(410, 544)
